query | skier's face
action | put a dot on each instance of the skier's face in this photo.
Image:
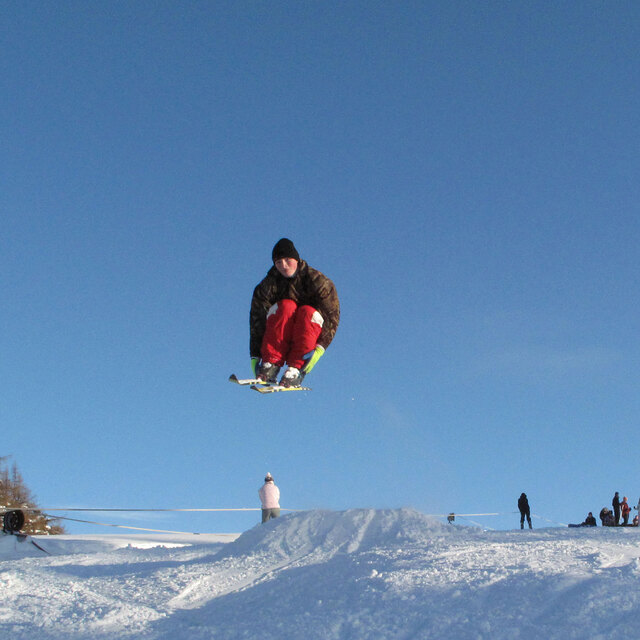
(287, 266)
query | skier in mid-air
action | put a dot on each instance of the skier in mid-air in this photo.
(294, 316)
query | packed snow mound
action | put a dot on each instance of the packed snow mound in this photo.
(330, 532)
(322, 575)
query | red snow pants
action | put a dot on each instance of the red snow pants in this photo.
(291, 333)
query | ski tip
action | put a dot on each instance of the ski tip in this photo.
(244, 382)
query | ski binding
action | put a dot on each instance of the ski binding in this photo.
(262, 386)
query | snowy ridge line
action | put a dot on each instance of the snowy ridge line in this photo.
(122, 526)
(502, 513)
(464, 515)
(147, 510)
(161, 510)
(433, 515)
(138, 510)
(533, 515)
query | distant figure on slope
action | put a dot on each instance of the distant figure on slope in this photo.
(523, 507)
(270, 498)
(615, 503)
(606, 517)
(625, 510)
(294, 316)
(589, 521)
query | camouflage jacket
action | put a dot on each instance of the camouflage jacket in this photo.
(307, 286)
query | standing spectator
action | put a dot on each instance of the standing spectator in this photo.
(270, 498)
(625, 509)
(523, 507)
(615, 503)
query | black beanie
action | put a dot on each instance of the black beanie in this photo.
(284, 249)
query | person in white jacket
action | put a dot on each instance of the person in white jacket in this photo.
(270, 498)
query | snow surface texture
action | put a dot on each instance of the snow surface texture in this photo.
(354, 574)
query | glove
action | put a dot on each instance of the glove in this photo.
(254, 366)
(313, 356)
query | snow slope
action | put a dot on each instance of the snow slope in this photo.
(354, 574)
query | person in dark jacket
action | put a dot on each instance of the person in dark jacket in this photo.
(590, 521)
(294, 317)
(615, 503)
(523, 507)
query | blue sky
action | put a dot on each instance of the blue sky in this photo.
(466, 173)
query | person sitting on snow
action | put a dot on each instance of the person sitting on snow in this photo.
(607, 517)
